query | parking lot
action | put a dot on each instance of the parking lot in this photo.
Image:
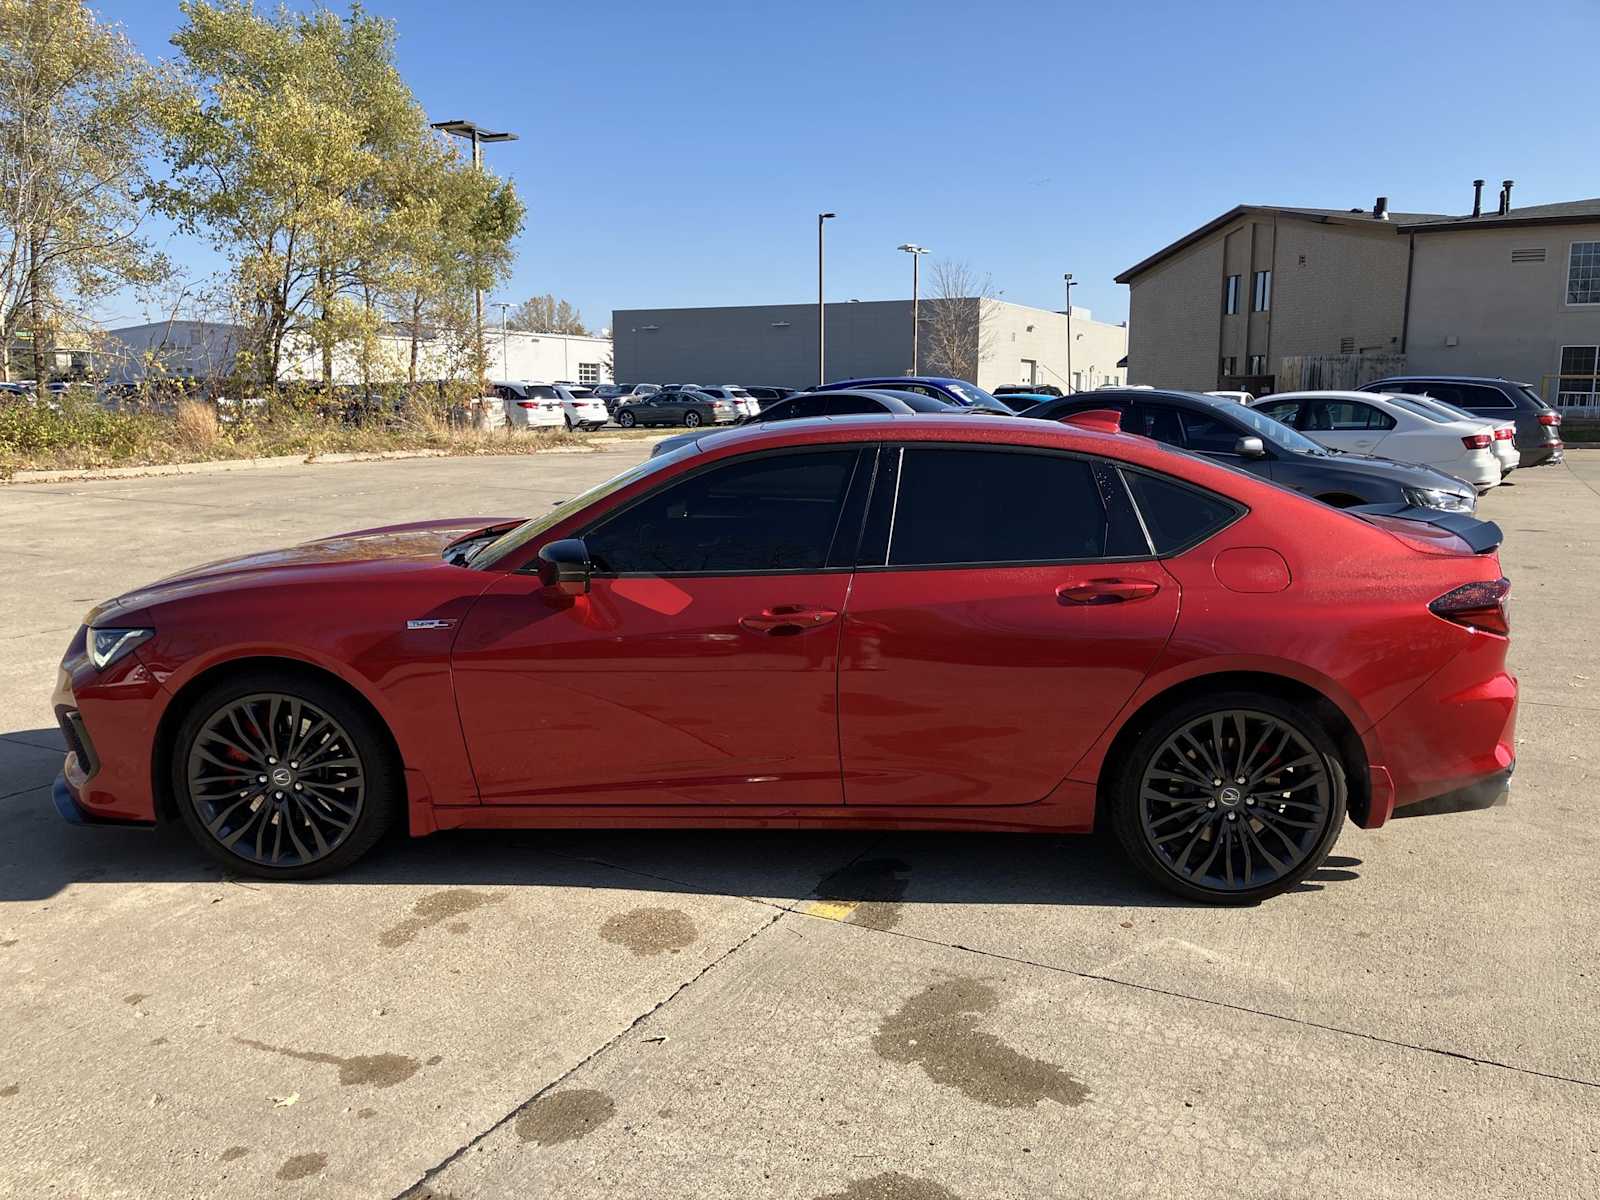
(816, 1016)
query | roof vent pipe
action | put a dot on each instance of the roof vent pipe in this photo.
(1505, 196)
(1477, 197)
(1380, 210)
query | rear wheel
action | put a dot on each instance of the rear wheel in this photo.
(283, 777)
(626, 420)
(691, 419)
(1231, 798)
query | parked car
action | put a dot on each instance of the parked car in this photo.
(677, 408)
(1022, 401)
(613, 394)
(770, 395)
(1027, 389)
(958, 391)
(1370, 423)
(1241, 397)
(830, 404)
(1538, 425)
(1118, 632)
(1251, 441)
(742, 400)
(1503, 431)
(530, 405)
(581, 408)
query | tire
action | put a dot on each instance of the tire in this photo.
(626, 420)
(1168, 809)
(691, 419)
(568, 419)
(340, 784)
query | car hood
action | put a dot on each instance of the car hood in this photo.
(418, 540)
(1405, 474)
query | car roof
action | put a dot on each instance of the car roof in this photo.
(1318, 394)
(1450, 379)
(1099, 396)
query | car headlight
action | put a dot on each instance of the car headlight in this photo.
(1440, 499)
(105, 646)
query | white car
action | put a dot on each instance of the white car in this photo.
(530, 405)
(1504, 432)
(1378, 424)
(581, 407)
(743, 402)
(1241, 397)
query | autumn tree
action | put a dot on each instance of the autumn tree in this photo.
(546, 314)
(76, 125)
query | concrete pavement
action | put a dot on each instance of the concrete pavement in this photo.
(816, 1016)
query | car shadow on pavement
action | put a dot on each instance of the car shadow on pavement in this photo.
(40, 855)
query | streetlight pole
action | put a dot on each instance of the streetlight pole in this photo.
(916, 253)
(822, 332)
(1070, 384)
(478, 135)
(505, 371)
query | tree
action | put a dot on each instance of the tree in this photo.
(546, 314)
(77, 108)
(956, 331)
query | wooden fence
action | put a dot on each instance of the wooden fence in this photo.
(1335, 372)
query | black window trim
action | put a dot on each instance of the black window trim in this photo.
(898, 449)
(856, 476)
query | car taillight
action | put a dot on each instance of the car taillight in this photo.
(1484, 605)
(1477, 441)
(1550, 418)
(527, 404)
(1503, 434)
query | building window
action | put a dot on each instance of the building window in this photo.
(1258, 364)
(1583, 273)
(1579, 385)
(589, 373)
(1227, 366)
(1261, 292)
(1230, 295)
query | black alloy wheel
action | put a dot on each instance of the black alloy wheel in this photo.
(1232, 799)
(691, 418)
(283, 778)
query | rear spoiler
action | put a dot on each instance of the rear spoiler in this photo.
(1481, 536)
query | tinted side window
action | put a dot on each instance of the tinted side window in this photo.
(773, 513)
(1284, 410)
(1176, 515)
(1206, 433)
(1154, 421)
(996, 506)
(789, 410)
(844, 406)
(1476, 396)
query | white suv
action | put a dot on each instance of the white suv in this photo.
(581, 407)
(743, 402)
(530, 405)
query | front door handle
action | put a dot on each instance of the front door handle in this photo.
(1107, 591)
(786, 620)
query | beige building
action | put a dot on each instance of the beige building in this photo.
(1515, 294)
(1222, 306)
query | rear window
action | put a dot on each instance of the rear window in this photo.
(1537, 400)
(580, 393)
(1177, 516)
(542, 393)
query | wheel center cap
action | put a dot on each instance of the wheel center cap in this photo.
(1229, 796)
(282, 777)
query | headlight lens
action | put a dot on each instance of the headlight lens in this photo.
(1440, 499)
(105, 646)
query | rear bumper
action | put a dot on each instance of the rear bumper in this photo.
(1489, 792)
(1534, 456)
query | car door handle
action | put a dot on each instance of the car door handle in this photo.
(1107, 591)
(786, 620)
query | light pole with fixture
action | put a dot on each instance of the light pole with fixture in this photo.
(822, 336)
(1068, 278)
(916, 253)
(505, 371)
(477, 135)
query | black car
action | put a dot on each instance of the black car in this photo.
(676, 408)
(1241, 437)
(1538, 425)
(766, 397)
(831, 404)
(1026, 389)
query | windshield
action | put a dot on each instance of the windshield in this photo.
(971, 393)
(1275, 432)
(514, 538)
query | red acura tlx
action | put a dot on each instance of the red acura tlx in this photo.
(925, 622)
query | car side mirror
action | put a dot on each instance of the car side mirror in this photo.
(564, 567)
(1250, 447)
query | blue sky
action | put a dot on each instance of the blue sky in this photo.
(678, 153)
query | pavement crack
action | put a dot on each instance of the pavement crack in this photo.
(456, 1154)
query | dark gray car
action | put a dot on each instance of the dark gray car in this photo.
(676, 408)
(830, 404)
(1538, 425)
(1241, 437)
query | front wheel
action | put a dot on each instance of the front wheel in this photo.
(691, 419)
(1231, 798)
(283, 777)
(626, 420)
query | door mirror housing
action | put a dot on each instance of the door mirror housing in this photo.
(564, 567)
(1250, 447)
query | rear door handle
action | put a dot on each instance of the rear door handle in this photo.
(1107, 591)
(786, 620)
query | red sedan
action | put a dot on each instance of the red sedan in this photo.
(889, 622)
